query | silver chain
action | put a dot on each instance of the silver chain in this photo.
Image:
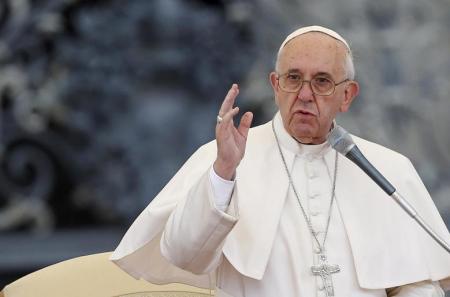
(307, 219)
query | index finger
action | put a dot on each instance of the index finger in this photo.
(229, 100)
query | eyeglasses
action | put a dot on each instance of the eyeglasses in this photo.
(320, 85)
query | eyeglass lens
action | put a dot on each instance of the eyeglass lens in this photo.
(320, 85)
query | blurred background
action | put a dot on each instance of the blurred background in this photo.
(101, 101)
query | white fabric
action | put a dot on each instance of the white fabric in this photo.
(429, 289)
(294, 251)
(387, 248)
(288, 272)
(222, 189)
(194, 235)
(321, 29)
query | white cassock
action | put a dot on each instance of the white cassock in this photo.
(261, 246)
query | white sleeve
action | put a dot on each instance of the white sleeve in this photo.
(222, 190)
(196, 230)
(422, 289)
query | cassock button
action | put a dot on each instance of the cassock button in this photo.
(321, 287)
(316, 250)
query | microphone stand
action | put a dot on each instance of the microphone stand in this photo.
(341, 141)
(413, 213)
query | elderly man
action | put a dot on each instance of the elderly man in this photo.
(274, 211)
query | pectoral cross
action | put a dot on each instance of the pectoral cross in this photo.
(324, 270)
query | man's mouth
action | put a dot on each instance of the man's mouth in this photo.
(305, 113)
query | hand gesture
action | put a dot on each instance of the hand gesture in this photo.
(231, 141)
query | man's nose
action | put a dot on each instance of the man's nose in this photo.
(305, 93)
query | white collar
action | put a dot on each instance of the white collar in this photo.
(308, 151)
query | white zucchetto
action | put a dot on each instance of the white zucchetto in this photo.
(321, 29)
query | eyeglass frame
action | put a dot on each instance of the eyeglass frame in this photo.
(310, 86)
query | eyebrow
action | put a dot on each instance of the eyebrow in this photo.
(321, 73)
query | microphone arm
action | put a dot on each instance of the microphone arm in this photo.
(342, 142)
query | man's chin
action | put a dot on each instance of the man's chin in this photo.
(305, 140)
(307, 136)
(302, 130)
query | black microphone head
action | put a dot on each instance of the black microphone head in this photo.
(340, 140)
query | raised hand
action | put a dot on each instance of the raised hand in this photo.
(231, 141)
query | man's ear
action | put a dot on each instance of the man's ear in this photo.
(350, 93)
(274, 82)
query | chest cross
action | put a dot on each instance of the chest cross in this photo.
(324, 270)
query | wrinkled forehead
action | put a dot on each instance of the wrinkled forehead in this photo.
(309, 29)
(312, 52)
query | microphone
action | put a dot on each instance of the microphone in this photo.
(343, 143)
